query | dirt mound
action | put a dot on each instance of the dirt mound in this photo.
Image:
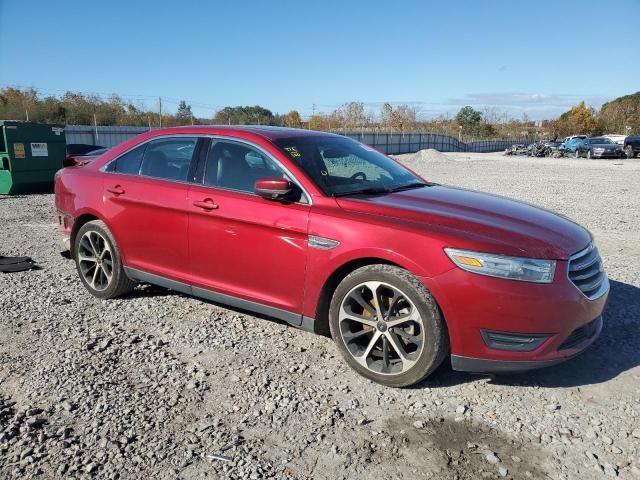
(427, 155)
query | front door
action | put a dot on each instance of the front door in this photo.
(241, 245)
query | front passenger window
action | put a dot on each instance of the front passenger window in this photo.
(169, 158)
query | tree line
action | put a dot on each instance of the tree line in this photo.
(621, 115)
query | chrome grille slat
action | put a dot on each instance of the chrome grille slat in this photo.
(586, 273)
(584, 264)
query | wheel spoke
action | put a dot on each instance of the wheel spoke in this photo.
(400, 332)
(374, 287)
(96, 271)
(84, 258)
(372, 343)
(106, 273)
(397, 346)
(394, 301)
(93, 246)
(350, 337)
(413, 316)
(344, 315)
(385, 354)
(357, 296)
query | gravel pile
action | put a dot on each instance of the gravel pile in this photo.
(161, 385)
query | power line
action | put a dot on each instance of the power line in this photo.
(123, 96)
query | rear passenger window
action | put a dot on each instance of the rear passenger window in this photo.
(128, 163)
(169, 158)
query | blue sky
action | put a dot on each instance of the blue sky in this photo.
(535, 57)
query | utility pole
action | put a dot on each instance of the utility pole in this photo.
(160, 104)
(313, 114)
(95, 125)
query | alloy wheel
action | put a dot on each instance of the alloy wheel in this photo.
(95, 260)
(381, 328)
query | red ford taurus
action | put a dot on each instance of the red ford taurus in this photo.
(330, 235)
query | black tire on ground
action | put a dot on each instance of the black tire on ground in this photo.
(436, 339)
(589, 154)
(119, 283)
(629, 151)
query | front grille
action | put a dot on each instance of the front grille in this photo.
(586, 273)
(582, 334)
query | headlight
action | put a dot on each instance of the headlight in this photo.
(512, 268)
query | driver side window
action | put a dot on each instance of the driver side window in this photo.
(237, 166)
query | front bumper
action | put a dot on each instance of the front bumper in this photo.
(611, 154)
(472, 304)
(482, 365)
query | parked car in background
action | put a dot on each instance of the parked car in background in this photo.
(332, 236)
(616, 138)
(573, 146)
(599, 147)
(632, 146)
(81, 148)
(573, 137)
(82, 159)
(78, 149)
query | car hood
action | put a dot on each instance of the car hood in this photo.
(470, 219)
(608, 146)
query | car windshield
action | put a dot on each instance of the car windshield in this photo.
(341, 166)
(600, 140)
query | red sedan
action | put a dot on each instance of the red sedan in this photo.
(332, 236)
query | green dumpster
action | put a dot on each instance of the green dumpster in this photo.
(30, 155)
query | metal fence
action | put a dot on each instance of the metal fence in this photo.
(390, 143)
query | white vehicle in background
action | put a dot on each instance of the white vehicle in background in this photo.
(581, 137)
(616, 138)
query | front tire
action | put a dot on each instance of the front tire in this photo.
(99, 263)
(629, 151)
(387, 325)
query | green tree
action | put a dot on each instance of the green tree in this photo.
(255, 115)
(183, 116)
(469, 119)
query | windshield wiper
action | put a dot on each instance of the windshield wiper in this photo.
(409, 186)
(364, 191)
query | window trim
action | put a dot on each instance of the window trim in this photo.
(279, 164)
(192, 162)
(200, 181)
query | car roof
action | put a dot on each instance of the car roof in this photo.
(268, 132)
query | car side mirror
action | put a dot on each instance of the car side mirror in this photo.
(272, 188)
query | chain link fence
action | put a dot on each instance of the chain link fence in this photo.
(390, 143)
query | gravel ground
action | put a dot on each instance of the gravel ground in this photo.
(155, 383)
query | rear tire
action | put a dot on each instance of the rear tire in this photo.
(387, 325)
(99, 263)
(589, 155)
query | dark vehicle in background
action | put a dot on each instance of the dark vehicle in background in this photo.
(77, 159)
(81, 148)
(599, 147)
(632, 146)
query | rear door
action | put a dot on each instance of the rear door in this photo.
(145, 196)
(240, 244)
